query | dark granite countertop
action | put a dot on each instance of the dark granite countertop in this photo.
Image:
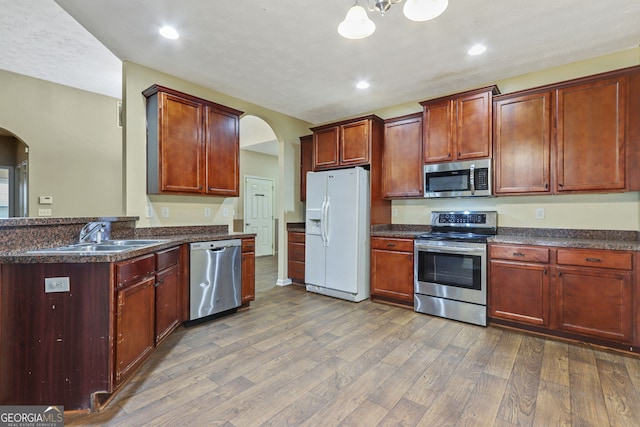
(564, 242)
(26, 257)
(588, 239)
(297, 227)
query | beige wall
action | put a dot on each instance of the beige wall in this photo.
(593, 211)
(75, 145)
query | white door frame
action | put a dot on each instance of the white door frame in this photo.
(246, 197)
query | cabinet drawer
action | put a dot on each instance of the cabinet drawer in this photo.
(296, 271)
(248, 245)
(296, 252)
(519, 253)
(401, 245)
(595, 258)
(134, 269)
(296, 237)
(167, 258)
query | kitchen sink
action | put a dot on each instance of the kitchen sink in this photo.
(107, 246)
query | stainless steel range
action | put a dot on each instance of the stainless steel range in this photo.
(450, 266)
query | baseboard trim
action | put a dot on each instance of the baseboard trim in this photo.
(283, 282)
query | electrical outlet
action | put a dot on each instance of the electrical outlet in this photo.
(540, 213)
(394, 212)
(56, 284)
(165, 212)
(149, 211)
(207, 212)
(44, 212)
(225, 212)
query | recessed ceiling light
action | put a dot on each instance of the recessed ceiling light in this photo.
(477, 49)
(169, 32)
(362, 85)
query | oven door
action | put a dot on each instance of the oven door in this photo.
(451, 270)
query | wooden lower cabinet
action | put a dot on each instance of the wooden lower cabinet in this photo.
(577, 293)
(168, 303)
(295, 253)
(248, 270)
(519, 292)
(519, 284)
(392, 270)
(135, 326)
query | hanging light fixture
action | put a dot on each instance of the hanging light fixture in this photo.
(424, 10)
(357, 25)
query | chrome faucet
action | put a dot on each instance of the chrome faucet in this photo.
(95, 232)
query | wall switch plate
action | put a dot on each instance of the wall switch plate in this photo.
(45, 200)
(44, 212)
(165, 212)
(394, 212)
(149, 212)
(540, 213)
(225, 212)
(207, 212)
(56, 284)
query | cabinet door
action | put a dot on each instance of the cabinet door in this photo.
(306, 163)
(325, 148)
(167, 301)
(392, 275)
(594, 302)
(473, 126)
(180, 145)
(248, 270)
(355, 143)
(248, 277)
(522, 137)
(402, 158)
(590, 136)
(438, 139)
(222, 151)
(135, 326)
(520, 292)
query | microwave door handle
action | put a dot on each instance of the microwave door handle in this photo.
(472, 178)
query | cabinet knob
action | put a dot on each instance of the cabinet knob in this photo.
(546, 185)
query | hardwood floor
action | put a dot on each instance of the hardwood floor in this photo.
(297, 358)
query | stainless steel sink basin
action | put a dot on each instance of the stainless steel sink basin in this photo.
(133, 242)
(108, 246)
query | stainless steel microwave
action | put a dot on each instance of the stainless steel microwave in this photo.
(458, 179)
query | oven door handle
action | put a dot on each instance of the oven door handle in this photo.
(449, 249)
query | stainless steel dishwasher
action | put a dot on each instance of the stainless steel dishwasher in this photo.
(215, 277)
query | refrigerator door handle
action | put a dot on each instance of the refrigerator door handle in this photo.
(322, 220)
(325, 221)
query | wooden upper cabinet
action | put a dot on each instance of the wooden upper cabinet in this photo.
(180, 145)
(402, 157)
(222, 142)
(326, 144)
(192, 145)
(591, 136)
(522, 143)
(355, 143)
(344, 144)
(458, 127)
(306, 163)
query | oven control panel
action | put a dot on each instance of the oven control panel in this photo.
(464, 218)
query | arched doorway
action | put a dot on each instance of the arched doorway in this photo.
(14, 176)
(259, 163)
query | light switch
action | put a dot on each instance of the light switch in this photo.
(45, 200)
(165, 212)
(540, 213)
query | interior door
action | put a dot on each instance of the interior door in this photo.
(258, 213)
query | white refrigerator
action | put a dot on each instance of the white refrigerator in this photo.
(337, 233)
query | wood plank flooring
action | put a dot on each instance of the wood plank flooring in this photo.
(300, 359)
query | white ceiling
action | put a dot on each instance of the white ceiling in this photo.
(286, 55)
